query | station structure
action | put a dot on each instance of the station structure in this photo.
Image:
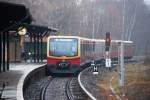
(11, 49)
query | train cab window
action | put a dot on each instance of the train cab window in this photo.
(63, 47)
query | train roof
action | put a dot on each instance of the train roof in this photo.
(88, 39)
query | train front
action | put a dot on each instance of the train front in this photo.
(63, 54)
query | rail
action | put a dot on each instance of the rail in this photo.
(84, 89)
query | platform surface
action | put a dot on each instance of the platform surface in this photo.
(12, 78)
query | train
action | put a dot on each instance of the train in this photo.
(67, 54)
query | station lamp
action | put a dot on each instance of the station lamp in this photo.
(22, 31)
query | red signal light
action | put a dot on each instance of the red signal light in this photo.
(108, 39)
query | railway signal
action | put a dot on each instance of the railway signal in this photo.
(107, 50)
(107, 41)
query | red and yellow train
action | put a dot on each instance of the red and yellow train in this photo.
(65, 54)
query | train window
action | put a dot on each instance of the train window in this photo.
(63, 47)
(88, 46)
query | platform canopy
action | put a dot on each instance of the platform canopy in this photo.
(37, 30)
(13, 15)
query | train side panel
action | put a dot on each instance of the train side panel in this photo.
(91, 50)
(96, 50)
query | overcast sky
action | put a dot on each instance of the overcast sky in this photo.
(147, 2)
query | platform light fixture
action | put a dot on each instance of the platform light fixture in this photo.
(22, 31)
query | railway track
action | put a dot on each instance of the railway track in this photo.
(63, 89)
(74, 92)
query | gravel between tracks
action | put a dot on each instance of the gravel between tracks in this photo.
(56, 90)
(59, 88)
(33, 91)
(75, 91)
(89, 81)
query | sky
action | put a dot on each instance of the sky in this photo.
(147, 2)
(79, 2)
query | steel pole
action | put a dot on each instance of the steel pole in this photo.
(8, 54)
(0, 51)
(122, 68)
(4, 52)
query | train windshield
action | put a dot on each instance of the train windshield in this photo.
(63, 47)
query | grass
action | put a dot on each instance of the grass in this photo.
(136, 80)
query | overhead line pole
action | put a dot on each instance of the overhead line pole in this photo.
(121, 72)
(122, 67)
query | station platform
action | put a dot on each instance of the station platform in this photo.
(13, 78)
